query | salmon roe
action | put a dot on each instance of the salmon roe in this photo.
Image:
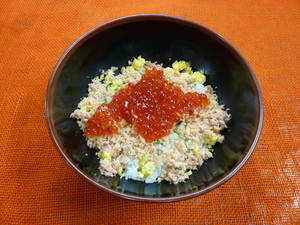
(153, 104)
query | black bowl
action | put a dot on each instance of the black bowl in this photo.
(156, 38)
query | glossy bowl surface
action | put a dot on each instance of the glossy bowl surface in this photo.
(163, 39)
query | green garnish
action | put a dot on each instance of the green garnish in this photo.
(157, 142)
(178, 124)
(108, 85)
(105, 100)
(188, 172)
(176, 132)
(185, 139)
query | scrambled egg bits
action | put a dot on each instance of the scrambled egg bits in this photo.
(104, 155)
(198, 77)
(180, 65)
(186, 71)
(210, 137)
(145, 167)
(115, 85)
(86, 104)
(135, 65)
(138, 63)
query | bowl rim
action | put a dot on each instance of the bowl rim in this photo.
(167, 18)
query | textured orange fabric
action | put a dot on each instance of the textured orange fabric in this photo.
(37, 187)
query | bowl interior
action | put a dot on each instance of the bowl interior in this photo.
(161, 39)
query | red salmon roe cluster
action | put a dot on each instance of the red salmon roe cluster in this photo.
(153, 104)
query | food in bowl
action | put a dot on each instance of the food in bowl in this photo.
(150, 123)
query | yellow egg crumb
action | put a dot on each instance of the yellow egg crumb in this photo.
(145, 167)
(179, 65)
(117, 82)
(129, 69)
(101, 77)
(188, 70)
(144, 160)
(148, 169)
(138, 63)
(185, 75)
(109, 76)
(115, 85)
(210, 137)
(83, 102)
(134, 151)
(106, 156)
(100, 154)
(86, 104)
(120, 171)
(169, 70)
(196, 148)
(140, 175)
(198, 77)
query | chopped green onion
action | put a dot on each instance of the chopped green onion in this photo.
(185, 139)
(176, 132)
(157, 142)
(108, 85)
(105, 100)
(188, 172)
(178, 124)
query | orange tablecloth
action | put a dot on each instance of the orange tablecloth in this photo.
(37, 187)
